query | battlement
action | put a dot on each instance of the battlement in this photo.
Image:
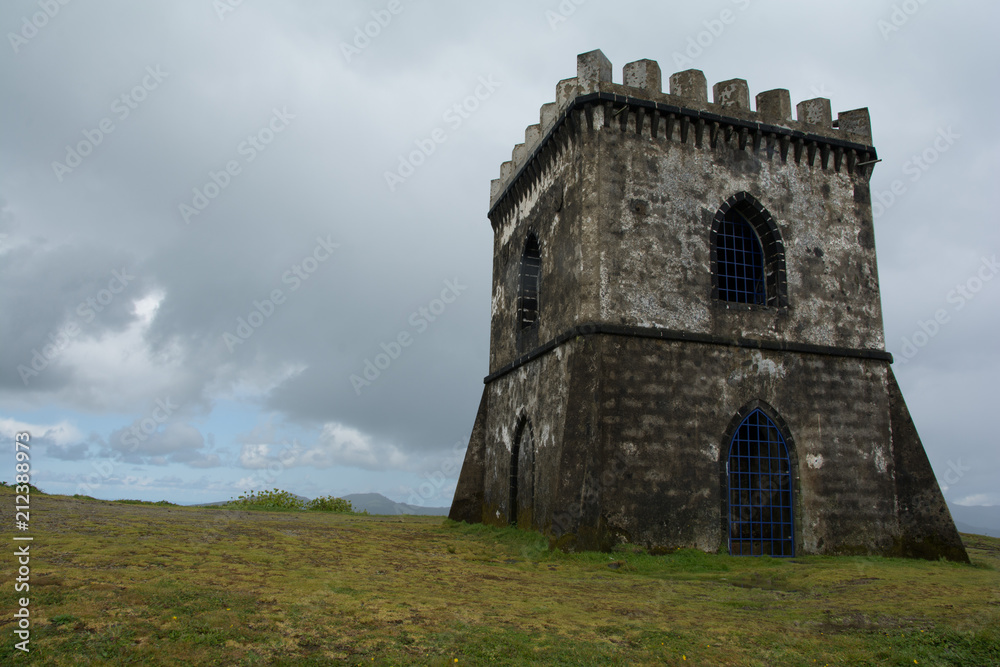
(592, 101)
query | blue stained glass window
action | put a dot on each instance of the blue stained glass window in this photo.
(760, 490)
(739, 261)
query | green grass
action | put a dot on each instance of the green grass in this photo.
(149, 584)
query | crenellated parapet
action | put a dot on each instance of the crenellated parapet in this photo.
(592, 101)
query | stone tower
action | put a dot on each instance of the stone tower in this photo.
(687, 346)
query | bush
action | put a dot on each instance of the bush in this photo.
(275, 499)
(329, 504)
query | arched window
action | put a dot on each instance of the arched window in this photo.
(740, 272)
(527, 294)
(522, 464)
(748, 257)
(759, 478)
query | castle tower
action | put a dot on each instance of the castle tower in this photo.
(687, 346)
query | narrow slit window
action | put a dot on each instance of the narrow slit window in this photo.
(527, 297)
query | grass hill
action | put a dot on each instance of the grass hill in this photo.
(139, 584)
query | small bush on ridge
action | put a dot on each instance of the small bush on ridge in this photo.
(276, 499)
(329, 504)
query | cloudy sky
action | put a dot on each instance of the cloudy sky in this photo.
(200, 245)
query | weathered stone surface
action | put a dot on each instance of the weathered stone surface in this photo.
(775, 105)
(690, 84)
(634, 374)
(815, 112)
(547, 116)
(593, 66)
(857, 122)
(566, 91)
(732, 94)
(644, 74)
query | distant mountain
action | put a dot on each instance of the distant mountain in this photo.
(978, 519)
(376, 503)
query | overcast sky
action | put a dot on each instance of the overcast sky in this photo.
(199, 244)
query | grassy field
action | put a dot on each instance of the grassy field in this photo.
(118, 583)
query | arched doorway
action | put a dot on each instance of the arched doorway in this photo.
(522, 465)
(759, 477)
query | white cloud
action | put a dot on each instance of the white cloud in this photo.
(62, 433)
(337, 445)
(256, 456)
(117, 368)
(979, 499)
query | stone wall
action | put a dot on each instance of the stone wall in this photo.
(633, 434)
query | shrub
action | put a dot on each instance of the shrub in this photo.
(329, 504)
(276, 499)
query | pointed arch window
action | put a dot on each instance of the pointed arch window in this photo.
(759, 475)
(748, 256)
(527, 294)
(740, 273)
